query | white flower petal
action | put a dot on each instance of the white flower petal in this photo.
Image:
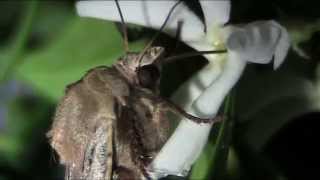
(181, 150)
(259, 41)
(145, 13)
(216, 11)
(196, 134)
(256, 42)
(188, 140)
(208, 104)
(282, 48)
(193, 88)
(153, 13)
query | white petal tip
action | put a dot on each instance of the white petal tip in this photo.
(282, 48)
(259, 41)
(98, 9)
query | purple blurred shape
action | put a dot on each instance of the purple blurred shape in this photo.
(3, 116)
(8, 91)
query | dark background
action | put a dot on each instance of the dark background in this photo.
(276, 120)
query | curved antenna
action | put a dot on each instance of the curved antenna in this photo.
(176, 57)
(158, 33)
(124, 29)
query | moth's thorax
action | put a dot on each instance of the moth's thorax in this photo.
(129, 64)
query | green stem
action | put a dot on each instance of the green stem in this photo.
(223, 142)
(212, 162)
(20, 40)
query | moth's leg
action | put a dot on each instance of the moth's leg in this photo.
(167, 105)
(170, 106)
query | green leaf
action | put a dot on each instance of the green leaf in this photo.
(223, 141)
(201, 168)
(26, 120)
(19, 41)
(84, 44)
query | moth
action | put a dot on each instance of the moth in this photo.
(107, 120)
(112, 122)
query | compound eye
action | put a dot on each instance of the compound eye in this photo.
(148, 76)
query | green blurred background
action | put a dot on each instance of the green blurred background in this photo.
(273, 132)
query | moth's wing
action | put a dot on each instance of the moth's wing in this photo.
(67, 135)
(127, 146)
(84, 116)
(99, 153)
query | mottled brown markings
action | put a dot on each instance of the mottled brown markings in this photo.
(112, 122)
(133, 117)
(102, 124)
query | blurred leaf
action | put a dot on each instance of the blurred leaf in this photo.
(52, 17)
(201, 169)
(269, 99)
(301, 30)
(84, 44)
(26, 117)
(19, 41)
(45, 25)
(223, 141)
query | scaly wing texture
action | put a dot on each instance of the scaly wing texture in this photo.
(82, 131)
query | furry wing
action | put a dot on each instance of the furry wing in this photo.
(82, 131)
(99, 153)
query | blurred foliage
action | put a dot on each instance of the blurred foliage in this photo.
(45, 46)
(70, 55)
(82, 45)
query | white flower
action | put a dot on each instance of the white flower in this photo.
(257, 42)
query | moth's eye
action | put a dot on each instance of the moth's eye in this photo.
(148, 76)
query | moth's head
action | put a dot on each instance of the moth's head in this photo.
(142, 71)
(152, 55)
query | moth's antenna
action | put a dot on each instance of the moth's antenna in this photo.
(186, 55)
(158, 33)
(124, 28)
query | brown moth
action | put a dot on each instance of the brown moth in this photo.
(112, 122)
